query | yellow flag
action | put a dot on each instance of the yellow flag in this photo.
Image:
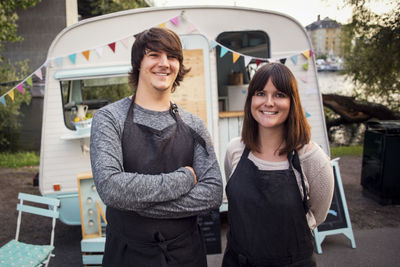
(236, 56)
(11, 95)
(306, 54)
(86, 54)
(162, 25)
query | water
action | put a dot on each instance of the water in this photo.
(335, 83)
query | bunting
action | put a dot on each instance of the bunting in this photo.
(3, 101)
(11, 95)
(175, 22)
(223, 51)
(86, 54)
(21, 88)
(72, 57)
(38, 73)
(112, 46)
(236, 56)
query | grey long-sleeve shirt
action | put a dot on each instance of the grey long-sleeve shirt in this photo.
(167, 195)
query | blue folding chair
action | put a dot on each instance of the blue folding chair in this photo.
(16, 253)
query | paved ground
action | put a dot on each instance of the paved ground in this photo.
(376, 228)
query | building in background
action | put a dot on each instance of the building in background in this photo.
(38, 26)
(325, 38)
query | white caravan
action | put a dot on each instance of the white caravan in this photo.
(88, 64)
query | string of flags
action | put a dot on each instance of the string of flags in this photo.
(173, 23)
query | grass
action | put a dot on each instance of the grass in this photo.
(346, 151)
(18, 159)
(23, 159)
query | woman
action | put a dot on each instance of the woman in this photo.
(270, 170)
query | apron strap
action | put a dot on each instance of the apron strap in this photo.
(175, 114)
(294, 160)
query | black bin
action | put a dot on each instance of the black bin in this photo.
(380, 174)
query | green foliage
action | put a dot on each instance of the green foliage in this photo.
(9, 17)
(340, 151)
(9, 123)
(372, 54)
(19, 159)
(91, 8)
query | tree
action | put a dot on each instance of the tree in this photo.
(372, 54)
(91, 8)
(9, 124)
(9, 17)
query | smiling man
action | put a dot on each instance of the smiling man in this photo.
(154, 164)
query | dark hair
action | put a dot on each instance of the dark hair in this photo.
(297, 130)
(156, 39)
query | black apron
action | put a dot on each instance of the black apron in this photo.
(135, 240)
(267, 217)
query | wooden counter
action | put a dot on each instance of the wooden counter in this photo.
(231, 114)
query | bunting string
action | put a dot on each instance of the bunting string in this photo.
(173, 23)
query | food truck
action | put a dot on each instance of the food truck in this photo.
(88, 63)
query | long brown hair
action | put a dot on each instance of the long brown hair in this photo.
(156, 39)
(297, 131)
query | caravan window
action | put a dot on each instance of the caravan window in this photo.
(255, 44)
(93, 92)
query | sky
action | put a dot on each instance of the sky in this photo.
(304, 11)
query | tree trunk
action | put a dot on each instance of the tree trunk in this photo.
(351, 110)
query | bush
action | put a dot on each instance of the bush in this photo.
(9, 116)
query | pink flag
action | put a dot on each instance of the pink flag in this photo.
(38, 73)
(175, 21)
(125, 42)
(20, 88)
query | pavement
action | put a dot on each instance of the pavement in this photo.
(376, 228)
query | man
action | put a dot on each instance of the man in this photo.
(153, 164)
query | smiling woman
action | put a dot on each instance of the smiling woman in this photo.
(274, 191)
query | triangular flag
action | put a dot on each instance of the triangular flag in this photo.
(20, 88)
(191, 28)
(258, 61)
(175, 21)
(58, 61)
(162, 25)
(236, 56)
(306, 54)
(11, 95)
(294, 59)
(223, 51)
(112, 46)
(311, 53)
(213, 44)
(86, 54)
(247, 60)
(283, 60)
(305, 66)
(308, 114)
(3, 101)
(38, 73)
(72, 57)
(99, 50)
(28, 81)
(125, 42)
(304, 78)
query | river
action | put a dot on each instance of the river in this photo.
(334, 83)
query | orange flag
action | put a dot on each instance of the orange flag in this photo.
(236, 56)
(86, 54)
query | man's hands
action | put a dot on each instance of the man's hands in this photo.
(194, 174)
